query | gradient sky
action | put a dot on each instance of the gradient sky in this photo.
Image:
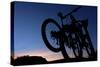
(28, 18)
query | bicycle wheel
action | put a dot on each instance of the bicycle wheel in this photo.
(48, 26)
(76, 50)
(76, 45)
(88, 49)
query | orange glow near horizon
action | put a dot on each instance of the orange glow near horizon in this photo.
(48, 55)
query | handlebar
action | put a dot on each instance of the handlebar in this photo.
(63, 17)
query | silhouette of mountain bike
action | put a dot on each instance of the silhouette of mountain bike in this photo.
(75, 35)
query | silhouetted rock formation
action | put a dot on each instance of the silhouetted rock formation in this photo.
(28, 60)
(32, 60)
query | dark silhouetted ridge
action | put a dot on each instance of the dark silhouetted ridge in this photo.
(32, 60)
(28, 60)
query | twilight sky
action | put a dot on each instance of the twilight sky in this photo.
(28, 18)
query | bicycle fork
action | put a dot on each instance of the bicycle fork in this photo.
(63, 49)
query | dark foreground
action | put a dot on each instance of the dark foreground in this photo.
(33, 60)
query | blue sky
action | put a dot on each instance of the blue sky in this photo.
(28, 18)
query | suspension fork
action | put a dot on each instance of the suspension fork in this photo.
(63, 49)
(90, 43)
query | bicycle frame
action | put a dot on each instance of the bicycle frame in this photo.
(79, 30)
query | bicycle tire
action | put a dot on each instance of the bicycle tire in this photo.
(47, 21)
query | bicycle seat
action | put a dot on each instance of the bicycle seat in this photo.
(60, 15)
